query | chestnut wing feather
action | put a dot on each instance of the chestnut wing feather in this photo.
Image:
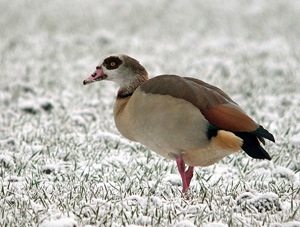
(216, 106)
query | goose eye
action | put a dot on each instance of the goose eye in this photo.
(112, 62)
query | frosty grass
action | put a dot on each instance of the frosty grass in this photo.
(62, 161)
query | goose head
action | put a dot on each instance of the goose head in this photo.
(125, 71)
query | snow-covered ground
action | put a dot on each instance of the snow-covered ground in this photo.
(62, 161)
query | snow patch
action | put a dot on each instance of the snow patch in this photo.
(63, 222)
(143, 220)
(196, 209)
(78, 119)
(260, 202)
(8, 141)
(28, 106)
(134, 199)
(6, 161)
(156, 201)
(46, 104)
(284, 173)
(185, 223)
(295, 139)
(114, 160)
(287, 224)
(214, 224)
(111, 137)
(173, 179)
(49, 168)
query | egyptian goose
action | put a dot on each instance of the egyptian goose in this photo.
(180, 118)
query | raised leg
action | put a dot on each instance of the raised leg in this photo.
(186, 176)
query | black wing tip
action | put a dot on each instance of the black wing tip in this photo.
(252, 146)
(265, 154)
(269, 157)
(258, 153)
(262, 132)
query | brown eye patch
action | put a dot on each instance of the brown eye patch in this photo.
(112, 62)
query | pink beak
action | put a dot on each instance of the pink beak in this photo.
(96, 76)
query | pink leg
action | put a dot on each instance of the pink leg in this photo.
(189, 175)
(181, 169)
(186, 176)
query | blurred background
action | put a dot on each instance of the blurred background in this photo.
(250, 49)
(197, 38)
